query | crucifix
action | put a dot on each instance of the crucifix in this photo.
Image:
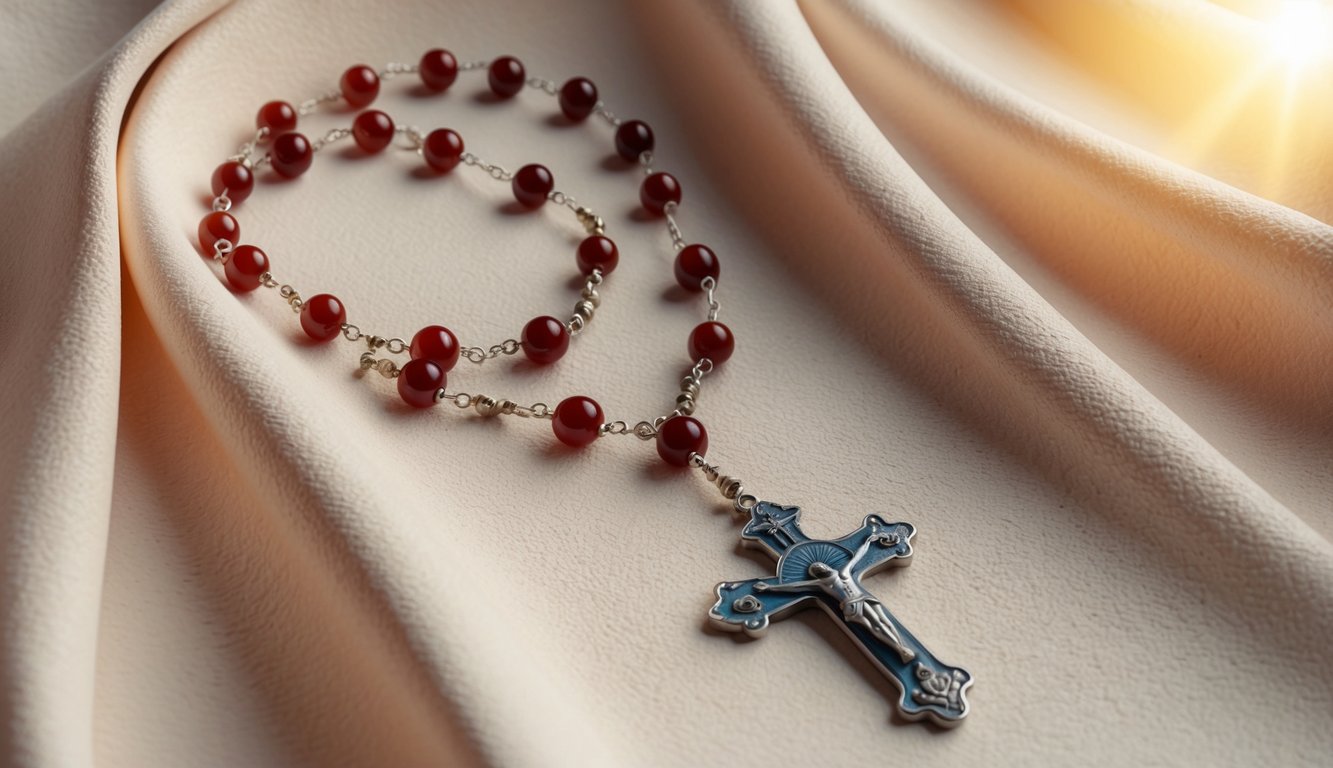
(828, 574)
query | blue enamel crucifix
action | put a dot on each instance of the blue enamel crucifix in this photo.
(828, 574)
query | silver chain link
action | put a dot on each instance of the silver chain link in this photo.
(730, 487)
(329, 137)
(245, 152)
(394, 68)
(479, 355)
(601, 111)
(644, 430)
(486, 405)
(497, 172)
(677, 238)
(710, 285)
(393, 345)
(544, 85)
(414, 135)
(310, 105)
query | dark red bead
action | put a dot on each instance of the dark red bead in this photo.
(693, 264)
(712, 340)
(577, 421)
(244, 266)
(373, 130)
(218, 225)
(360, 85)
(419, 380)
(577, 98)
(322, 317)
(443, 149)
(633, 138)
(278, 117)
(532, 183)
(597, 252)
(658, 191)
(235, 180)
(506, 76)
(545, 340)
(435, 342)
(678, 437)
(291, 155)
(438, 69)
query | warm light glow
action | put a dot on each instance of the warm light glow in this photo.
(1302, 31)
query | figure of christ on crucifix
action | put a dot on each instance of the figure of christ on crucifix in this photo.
(827, 573)
(857, 604)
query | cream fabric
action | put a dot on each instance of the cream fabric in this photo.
(1052, 281)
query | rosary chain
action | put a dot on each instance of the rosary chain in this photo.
(497, 172)
(689, 392)
(601, 111)
(383, 365)
(732, 488)
(329, 137)
(479, 355)
(244, 151)
(589, 298)
(394, 68)
(542, 84)
(486, 405)
(393, 345)
(310, 105)
(589, 301)
(710, 285)
(222, 250)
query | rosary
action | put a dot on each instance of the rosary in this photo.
(809, 572)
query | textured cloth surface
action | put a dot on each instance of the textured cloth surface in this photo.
(1052, 281)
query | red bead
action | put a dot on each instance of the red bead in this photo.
(373, 130)
(234, 179)
(506, 76)
(577, 98)
(693, 264)
(545, 340)
(658, 191)
(291, 155)
(435, 342)
(678, 437)
(712, 340)
(277, 116)
(532, 184)
(443, 149)
(438, 69)
(597, 252)
(322, 317)
(244, 267)
(633, 138)
(218, 225)
(418, 381)
(577, 420)
(360, 85)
